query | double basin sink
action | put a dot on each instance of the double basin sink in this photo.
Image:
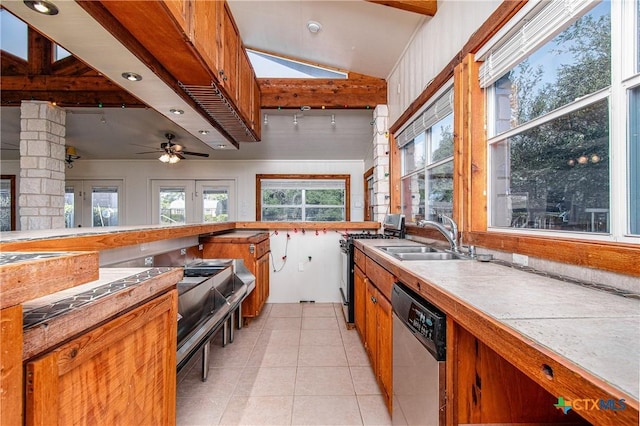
(421, 253)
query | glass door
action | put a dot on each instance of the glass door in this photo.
(192, 201)
(93, 203)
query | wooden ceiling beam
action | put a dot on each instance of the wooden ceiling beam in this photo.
(56, 83)
(423, 7)
(106, 99)
(358, 93)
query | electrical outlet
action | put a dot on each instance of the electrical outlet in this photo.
(521, 259)
(300, 267)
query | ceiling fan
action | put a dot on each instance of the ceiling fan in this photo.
(172, 152)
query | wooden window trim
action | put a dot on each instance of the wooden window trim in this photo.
(367, 201)
(470, 165)
(12, 184)
(347, 186)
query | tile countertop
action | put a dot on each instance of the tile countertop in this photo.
(593, 329)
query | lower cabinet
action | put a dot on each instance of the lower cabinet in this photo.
(374, 323)
(122, 372)
(253, 249)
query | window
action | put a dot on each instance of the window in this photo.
(554, 143)
(634, 160)
(272, 66)
(426, 149)
(192, 201)
(13, 35)
(303, 198)
(8, 203)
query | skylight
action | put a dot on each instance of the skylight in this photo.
(270, 66)
(13, 35)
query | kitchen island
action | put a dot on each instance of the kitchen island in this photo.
(130, 335)
(517, 341)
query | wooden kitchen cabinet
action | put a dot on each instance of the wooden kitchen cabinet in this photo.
(245, 86)
(359, 301)
(122, 372)
(206, 31)
(180, 10)
(230, 48)
(374, 321)
(253, 248)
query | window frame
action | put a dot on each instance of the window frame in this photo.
(430, 109)
(616, 93)
(347, 187)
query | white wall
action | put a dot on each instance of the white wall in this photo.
(138, 175)
(433, 46)
(319, 279)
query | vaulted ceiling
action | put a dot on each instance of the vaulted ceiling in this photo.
(358, 36)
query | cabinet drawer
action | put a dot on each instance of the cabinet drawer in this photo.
(380, 277)
(261, 249)
(359, 259)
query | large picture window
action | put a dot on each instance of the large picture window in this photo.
(426, 149)
(303, 198)
(551, 130)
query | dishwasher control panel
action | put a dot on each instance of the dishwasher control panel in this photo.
(427, 322)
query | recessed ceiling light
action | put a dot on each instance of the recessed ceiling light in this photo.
(203, 132)
(176, 111)
(314, 26)
(131, 76)
(221, 146)
(42, 6)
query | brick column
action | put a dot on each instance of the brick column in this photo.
(381, 184)
(42, 167)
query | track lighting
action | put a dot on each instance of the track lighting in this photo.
(266, 119)
(333, 119)
(295, 120)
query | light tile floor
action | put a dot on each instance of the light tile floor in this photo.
(296, 364)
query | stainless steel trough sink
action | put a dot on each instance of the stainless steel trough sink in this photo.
(409, 249)
(421, 253)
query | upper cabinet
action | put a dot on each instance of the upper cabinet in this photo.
(180, 10)
(214, 35)
(191, 44)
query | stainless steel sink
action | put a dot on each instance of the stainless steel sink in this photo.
(421, 253)
(409, 249)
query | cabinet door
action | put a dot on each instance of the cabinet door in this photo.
(359, 301)
(256, 99)
(206, 31)
(263, 277)
(385, 348)
(371, 327)
(179, 9)
(121, 372)
(228, 74)
(245, 86)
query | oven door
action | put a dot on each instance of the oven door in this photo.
(344, 273)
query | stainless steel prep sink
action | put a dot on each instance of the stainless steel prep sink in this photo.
(409, 249)
(421, 253)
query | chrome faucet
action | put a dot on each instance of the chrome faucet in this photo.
(450, 234)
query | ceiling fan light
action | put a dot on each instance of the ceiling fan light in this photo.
(165, 158)
(173, 159)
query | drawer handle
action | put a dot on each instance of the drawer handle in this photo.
(373, 299)
(547, 371)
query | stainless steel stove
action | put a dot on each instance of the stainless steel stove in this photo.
(393, 228)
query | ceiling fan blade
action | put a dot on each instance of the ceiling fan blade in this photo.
(199, 154)
(150, 152)
(179, 155)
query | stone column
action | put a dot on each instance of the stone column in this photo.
(42, 167)
(381, 184)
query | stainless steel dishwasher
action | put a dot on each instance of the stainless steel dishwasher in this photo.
(419, 351)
